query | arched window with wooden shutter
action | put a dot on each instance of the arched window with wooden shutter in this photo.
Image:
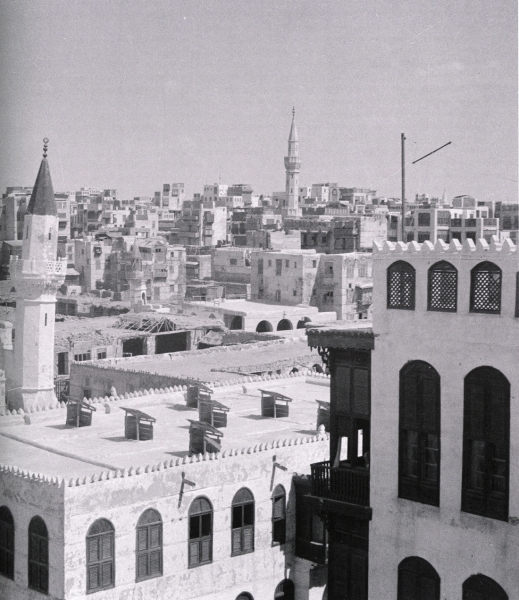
(417, 580)
(486, 444)
(279, 515)
(242, 522)
(485, 288)
(442, 287)
(6, 543)
(149, 545)
(38, 555)
(419, 448)
(481, 587)
(200, 532)
(100, 556)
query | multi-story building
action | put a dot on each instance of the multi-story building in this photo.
(421, 492)
(232, 265)
(90, 258)
(356, 195)
(202, 223)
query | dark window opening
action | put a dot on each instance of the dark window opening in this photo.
(285, 590)
(200, 532)
(417, 580)
(6, 543)
(38, 555)
(419, 474)
(242, 522)
(279, 515)
(486, 444)
(480, 587)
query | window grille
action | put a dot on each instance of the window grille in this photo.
(278, 516)
(100, 556)
(486, 444)
(242, 522)
(149, 545)
(443, 287)
(417, 580)
(6, 543)
(401, 286)
(485, 288)
(38, 555)
(419, 475)
(200, 532)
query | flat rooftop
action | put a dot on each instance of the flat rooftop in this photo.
(259, 309)
(51, 448)
(215, 364)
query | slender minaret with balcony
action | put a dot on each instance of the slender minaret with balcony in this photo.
(292, 166)
(136, 279)
(36, 277)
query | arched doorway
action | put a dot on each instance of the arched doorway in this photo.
(264, 327)
(284, 325)
(245, 596)
(236, 323)
(302, 322)
(481, 587)
(285, 590)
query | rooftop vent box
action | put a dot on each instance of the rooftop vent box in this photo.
(137, 425)
(196, 393)
(323, 414)
(203, 438)
(274, 405)
(212, 412)
(79, 413)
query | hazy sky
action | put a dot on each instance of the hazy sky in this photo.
(134, 94)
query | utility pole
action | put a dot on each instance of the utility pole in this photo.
(403, 187)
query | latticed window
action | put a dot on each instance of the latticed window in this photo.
(419, 476)
(149, 545)
(6, 543)
(417, 580)
(485, 288)
(486, 444)
(443, 287)
(401, 285)
(100, 556)
(279, 515)
(480, 587)
(200, 532)
(38, 555)
(242, 522)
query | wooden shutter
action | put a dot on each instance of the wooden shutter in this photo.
(361, 391)
(142, 539)
(93, 549)
(106, 546)
(154, 536)
(475, 407)
(94, 579)
(155, 563)
(427, 588)
(44, 550)
(409, 401)
(205, 547)
(359, 575)
(236, 541)
(248, 538)
(34, 547)
(193, 554)
(142, 565)
(279, 507)
(106, 574)
(342, 389)
(430, 403)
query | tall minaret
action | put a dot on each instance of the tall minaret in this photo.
(36, 278)
(136, 280)
(292, 166)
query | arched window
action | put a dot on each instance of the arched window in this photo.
(6, 543)
(38, 555)
(242, 522)
(401, 285)
(285, 590)
(100, 556)
(442, 287)
(279, 515)
(244, 596)
(417, 580)
(485, 288)
(149, 545)
(200, 532)
(480, 587)
(486, 443)
(419, 475)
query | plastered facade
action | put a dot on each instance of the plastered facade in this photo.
(455, 543)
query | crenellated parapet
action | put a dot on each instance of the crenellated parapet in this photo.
(382, 250)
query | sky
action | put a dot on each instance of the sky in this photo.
(135, 94)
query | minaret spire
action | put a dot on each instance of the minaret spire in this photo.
(42, 198)
(292, 166)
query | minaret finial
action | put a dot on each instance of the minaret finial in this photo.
(293, 111)
(45, 142)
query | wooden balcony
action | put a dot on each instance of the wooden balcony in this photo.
(342, 484)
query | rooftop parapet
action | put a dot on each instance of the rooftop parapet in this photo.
(468, 248)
